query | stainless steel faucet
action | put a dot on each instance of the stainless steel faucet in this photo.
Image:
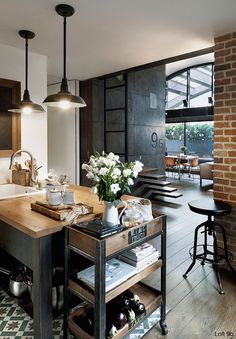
(32, 174)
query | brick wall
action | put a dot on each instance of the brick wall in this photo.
(225, 131)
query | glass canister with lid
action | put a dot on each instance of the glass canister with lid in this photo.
(132, 216)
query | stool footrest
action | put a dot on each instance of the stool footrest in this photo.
(203, 256)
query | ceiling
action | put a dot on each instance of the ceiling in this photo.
(105, 36)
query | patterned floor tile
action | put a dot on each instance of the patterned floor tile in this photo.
(16, 324)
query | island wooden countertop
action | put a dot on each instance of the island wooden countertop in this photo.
(18, 213)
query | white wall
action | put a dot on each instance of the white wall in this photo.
(63, 137)
(33, 127)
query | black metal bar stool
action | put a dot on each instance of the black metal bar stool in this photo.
(216, 256)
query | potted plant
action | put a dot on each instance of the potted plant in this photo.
(183, 150)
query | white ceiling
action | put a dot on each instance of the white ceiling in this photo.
(105, 36)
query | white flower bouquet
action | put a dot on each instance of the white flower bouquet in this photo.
(110, 177)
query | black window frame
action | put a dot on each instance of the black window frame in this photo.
(190, 114)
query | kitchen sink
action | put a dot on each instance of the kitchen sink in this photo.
(9, 191)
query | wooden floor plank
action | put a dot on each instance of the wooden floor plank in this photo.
(198, 310)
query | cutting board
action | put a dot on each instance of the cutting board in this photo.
(61, 211)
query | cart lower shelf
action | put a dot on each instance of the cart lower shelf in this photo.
(151, 298)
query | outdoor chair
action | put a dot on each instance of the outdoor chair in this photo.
(170, 164)
(191, 165)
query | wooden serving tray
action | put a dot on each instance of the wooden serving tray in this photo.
(61, 211)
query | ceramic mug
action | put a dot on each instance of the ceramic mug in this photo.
(54, 197)
(68, 197)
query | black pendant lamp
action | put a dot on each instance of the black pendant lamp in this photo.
(26, 106)
(64, 98)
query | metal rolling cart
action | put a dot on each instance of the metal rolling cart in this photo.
(101, 250)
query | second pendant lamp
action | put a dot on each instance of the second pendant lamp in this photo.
(64, 98)
(26, 106)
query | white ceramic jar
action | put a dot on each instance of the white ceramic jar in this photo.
(54, 197)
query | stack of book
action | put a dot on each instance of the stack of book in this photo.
(141, 256)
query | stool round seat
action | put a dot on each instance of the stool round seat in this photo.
(209, 207)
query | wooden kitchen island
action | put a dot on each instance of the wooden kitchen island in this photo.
(27, 235)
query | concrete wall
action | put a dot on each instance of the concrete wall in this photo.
(33, 127)
(146, 116)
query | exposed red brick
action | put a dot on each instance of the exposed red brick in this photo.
(222, 67)
(233, 183)
(218, 188)
(220, 75)
(230, 175)
(230, 43)
(222, 124)
(218, 174)
(233, 168)
(230, 145)
(221, 139)
(220, 104)
(230, 88)
(218, 145)
(230, 102)
(220, 60)
(231, 116)
(233, 124)
(219, 132)
(230, 131)
(221, 167)
(231, 57)
(222, 182)
(222, 110)
(225, 81)
(233, 139)
(219, 89)
(218, 154)
(217, 158)
(222, 38)
(222, 53)
(218, 117)
(230, 190)
(221, 196)
(231, 73)
(230, 161)
(232, 197)
(232, 153)
(222, 96)
(219, 46)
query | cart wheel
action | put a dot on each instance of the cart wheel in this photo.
(164, 328)
(203, 263)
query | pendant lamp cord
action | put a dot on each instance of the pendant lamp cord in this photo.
(26, 64)
(64, 47)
